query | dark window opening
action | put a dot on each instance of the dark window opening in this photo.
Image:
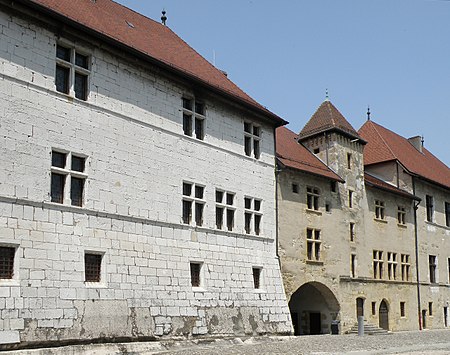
(402, 309)
(92, 267)
(333, 186)
(80, 86)
(199, 214)
(219, 217)
(256, 277)
(256, 149)
(353, 265)
(187, 125)
(430, 207)
(63, 53)
(430, 308)
(199, 129)
(7, 262)
(230, 199)
(62, 79)
(447, 214)
(187, 104)
(199, 191)
(187, 211)
(76, 191)
(195, 274)
(81, 61)
(374, 308)
(432, 266)
(200, 108)
(59, 159)
(78, 163)
(257, 224)
(295, 188)
(230, 219)
(187, 189)
(349, 160)
(248, 219)
(316, 151)
(248, 146)
(352, 232)
(57, 188)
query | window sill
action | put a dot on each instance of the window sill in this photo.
(316, 212)
(314, 262)
(198, 289)
(95, 285)
(404, 226)
(9, 282)
(380, 220)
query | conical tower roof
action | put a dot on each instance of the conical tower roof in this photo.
(328, 118)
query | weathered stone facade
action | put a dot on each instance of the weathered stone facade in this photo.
(356, 238)
(129, 131)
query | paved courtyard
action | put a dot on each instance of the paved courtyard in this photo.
(425, 342)
(428, 342)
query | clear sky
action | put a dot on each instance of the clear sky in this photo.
(393, 55)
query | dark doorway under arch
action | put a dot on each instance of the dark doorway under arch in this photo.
(313, 307)
(383, 314)
(359, 307)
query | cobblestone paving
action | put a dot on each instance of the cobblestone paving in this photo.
(436, 342)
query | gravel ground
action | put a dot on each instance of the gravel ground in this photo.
(436, 342)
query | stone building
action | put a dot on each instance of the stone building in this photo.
(362, 217)
(137, 185)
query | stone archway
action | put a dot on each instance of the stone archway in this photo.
(313, 307)
(383, 315)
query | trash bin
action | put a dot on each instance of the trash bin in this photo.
(335, 327)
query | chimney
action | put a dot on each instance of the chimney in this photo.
(417, 142)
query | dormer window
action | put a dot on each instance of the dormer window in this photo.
(194, 118)
(252, 140)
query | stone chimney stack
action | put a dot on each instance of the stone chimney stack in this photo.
(417, 142)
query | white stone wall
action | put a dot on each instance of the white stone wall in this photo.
(130, 130)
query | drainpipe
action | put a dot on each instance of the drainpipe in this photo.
(416, 239)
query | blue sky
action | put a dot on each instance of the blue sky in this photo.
(393, 55)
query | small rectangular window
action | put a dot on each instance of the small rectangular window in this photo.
(252, 140)
(7, 262)
(187, 211)
(333, 186)
(352, 231)
(199, 213)
(92, 267)
(78, 163)
(247, 221)
(295, 188)
(402, 309)
(401, 215)
(432, 267)
(195, 274)
(57, 187)
(350, 199)
(379, 210)
(71, 64)
(219, 217)
(256, 277)
(230, 219)
(76, 191)
(429, 200)
(193, 120)
(430, 308)
(374, 308)
(353, 266)
(349, 160)
(59, 159)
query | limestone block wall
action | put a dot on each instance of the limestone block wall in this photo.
(137, 158)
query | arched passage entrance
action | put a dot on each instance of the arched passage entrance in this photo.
(384, 315)
(313, 306)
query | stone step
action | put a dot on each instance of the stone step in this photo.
(369, 329)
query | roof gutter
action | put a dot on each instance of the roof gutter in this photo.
(116, 43)
(339, 179)
(401, 193)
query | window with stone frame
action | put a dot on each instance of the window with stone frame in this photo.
(313, 244)
(432, 265)
(252, 139)
(379, 209)
(378, 264)
(225, 209)
(194, 118)
(7, 255)
(92, 267)
(193, 203)
(68, 178)
(392, 265)
(349, 160)
(195, 268)
(252, 215)
(429, 201)
(72, 72)
(312, 198)
(405, 265)
(350, 198)
(402, 309)
(352, 231)
(257, 277)
(353, 265)
(401, 215)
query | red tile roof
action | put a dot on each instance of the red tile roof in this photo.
(293, 154)
(375, 182)
(112, 21)
(384, 145)
(327, 118)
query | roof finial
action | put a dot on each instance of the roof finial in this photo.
(422, 140)
(368, 113)
(327, 98)
(163, 17)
